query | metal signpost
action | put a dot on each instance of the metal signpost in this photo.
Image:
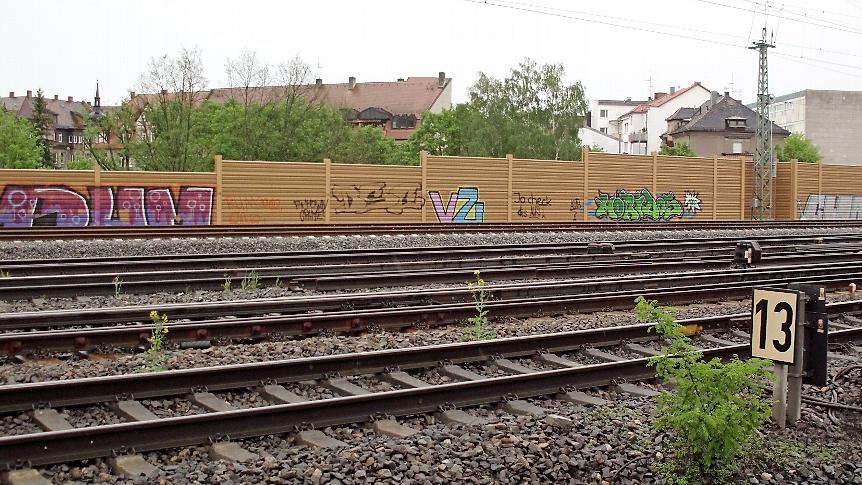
(779, 320)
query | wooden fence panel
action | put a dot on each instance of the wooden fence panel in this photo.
(273, 192)
(376, 194)
(467, 189)
(544, 190)
(688, 181)
(783, 187)
(611, 179)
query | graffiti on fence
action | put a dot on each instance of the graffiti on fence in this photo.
(846, 207)
(576, 207)
(530, 206)
(642, 206)
(463, 207)
(310, 209)
(379, 197)
(61, 206)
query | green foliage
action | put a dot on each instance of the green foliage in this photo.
(118, 286)
(80, 163)
(155, 357)
(715, 407)
(677, 150)
(478, 324)
(596, 149)
(111, 140)
(41, 123)
(251, 281)
(531, 114)
(226, 286)
(797, 147)
(19, 144)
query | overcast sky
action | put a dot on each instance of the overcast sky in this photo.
(70, 43)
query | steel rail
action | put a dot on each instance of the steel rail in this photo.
(688, 247)
(260, 328)
(41, 232)
(61, 393)
(85, 443)
(20, 288)
(368, 300)
(329, 302)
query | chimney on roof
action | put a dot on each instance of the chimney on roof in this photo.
(351, 82)
(658, 96)
(672, 89)
(29, 93)
(11, 94)
(401, 79)
(441, 79)
(318, 82)
(628, 98)
(70, 99)
(56, 97)
(131, 94)
(727, 94)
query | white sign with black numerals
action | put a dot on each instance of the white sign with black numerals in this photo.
(773, 320)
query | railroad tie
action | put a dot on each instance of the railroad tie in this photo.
(841, 357)
(641, 350)
(741, 333)
(50, 420)
(716, 340)
(393, 429)
(520, 407)
(403, 380)
(24, 476)
(554, 360)
(279, 395)
(459, 373)
(582, 398)
(602, 355)
(231, 451)
(459, 417)
(344, 387)
(315, 438)
(636, 390)
(841, 326)
(211, 402)
(133, 411)
(512, 367)
(132, 466)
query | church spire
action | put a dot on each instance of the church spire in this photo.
(97, 101)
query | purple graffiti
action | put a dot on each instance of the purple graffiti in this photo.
(28, 206)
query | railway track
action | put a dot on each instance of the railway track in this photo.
(561, 365)
(84, 330)
(150, 232)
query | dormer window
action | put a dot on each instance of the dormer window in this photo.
(738, 123)
(403, 122)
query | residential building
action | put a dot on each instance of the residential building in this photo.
(603, 111)
(830, 119)
(593, 138)
(719, 126)
(641, 128)
(396, 107)
(66, 122)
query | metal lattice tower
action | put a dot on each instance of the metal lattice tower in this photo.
(764, 157)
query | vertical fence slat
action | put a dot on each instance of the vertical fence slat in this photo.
(423, 160)
(585, 156)
(509, 190)
(742, 165)
(219, 195)
(714, 188)
(327, 187)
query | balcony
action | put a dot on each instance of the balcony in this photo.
(638, 137)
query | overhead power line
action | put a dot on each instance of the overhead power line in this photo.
(792, 19)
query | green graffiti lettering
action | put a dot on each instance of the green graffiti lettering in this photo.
(640, 206)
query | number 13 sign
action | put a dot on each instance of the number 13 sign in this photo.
(773, 319)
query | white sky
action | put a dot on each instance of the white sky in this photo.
(74, 42)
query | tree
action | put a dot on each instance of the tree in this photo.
(797, 147)
(530, 114)
(110, 140)
(42, 124)
(166, 128)
(441, 133)
(19, 144)
(677, 150)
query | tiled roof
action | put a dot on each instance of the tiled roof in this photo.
(711, 116)
(644, 107)
(415, 95)
(68, 113)
(621, 102)
(682, 114)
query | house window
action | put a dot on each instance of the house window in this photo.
(603, 113)
(737, 147)
(59, 137)
(603, 130)
(400, 122)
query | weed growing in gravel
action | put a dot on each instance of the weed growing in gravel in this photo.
(278, 283)
(478, 324)
(226, 286)
(250, 281)
(118, 287)
(714, 408)
(156, 357)
(4, 274)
